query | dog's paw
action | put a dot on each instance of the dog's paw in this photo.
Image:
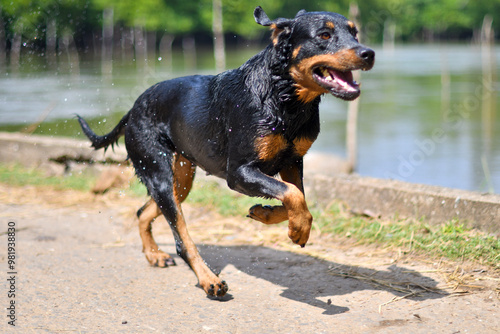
(268, 214)
(159, 259)
(260, 212)
(216, 289)
(299, 229)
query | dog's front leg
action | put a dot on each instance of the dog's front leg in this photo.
(269, 215)
(249, 180)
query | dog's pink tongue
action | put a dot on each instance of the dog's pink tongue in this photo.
(345, 80)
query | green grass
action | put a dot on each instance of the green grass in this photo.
(224, 201)
(453, 239)
(20, 176)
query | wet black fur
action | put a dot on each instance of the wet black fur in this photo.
(214, 121)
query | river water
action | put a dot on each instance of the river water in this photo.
(427, 113)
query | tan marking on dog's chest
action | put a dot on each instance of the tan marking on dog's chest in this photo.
(269, 146)
(302, 145)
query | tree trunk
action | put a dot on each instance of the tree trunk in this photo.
(15, 50)
(140, 45)
(353, 110)
(51, 41)
(218, 32)
(69, 45)
(151, 37)
(107, 41)
(166, 51)
(127, 42)
(389, 35)
(189, 50)
(489, 96)
(3, 44)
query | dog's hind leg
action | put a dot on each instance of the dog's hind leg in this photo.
(184, 172)
(150, 211)
(269, 215)
(169, 182)
(156, 257)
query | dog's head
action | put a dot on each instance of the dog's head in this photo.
(322, 50)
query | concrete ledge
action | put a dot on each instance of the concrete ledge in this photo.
(386, 198)
(390, 198)
(38, 152)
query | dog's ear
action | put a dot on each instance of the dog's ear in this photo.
(262, 19)
(300, 12)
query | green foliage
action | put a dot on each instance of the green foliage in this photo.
(174, 16)
(413, 19)
(30, 17)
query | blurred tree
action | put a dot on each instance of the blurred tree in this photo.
(41, 24)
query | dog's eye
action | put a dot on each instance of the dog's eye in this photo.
(325, 36)
(354, 33)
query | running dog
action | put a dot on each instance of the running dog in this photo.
(244, 125)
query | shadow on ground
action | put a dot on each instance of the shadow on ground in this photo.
(306, 279)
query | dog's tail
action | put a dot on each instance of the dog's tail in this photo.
(105, 140)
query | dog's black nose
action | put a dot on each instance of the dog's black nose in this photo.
(366, 54)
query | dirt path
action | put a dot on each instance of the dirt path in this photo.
(80, 269)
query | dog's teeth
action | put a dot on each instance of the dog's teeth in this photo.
(326, 75)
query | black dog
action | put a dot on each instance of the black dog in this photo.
(244, 125)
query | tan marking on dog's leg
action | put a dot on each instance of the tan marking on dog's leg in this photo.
(299, 217)
(276, 214)
(150, 248)
(210, 282)
(267, 214)
(183, 177)
(184, 172)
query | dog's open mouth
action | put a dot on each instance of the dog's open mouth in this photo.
(338, 83)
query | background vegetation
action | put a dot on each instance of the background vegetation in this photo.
(46, 25)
